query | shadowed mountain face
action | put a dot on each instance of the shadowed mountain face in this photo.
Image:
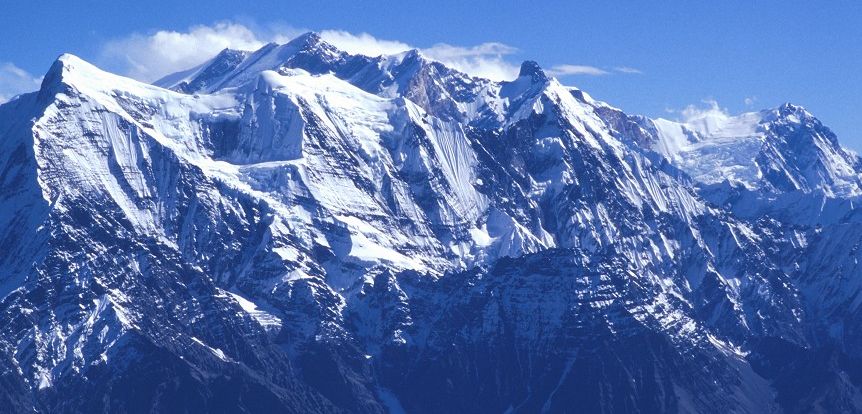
(297, 229)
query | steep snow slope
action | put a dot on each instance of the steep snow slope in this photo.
(322, 231)
(84, 300)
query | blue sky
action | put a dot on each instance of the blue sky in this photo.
(653, 58)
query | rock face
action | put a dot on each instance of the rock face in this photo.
(299, 229)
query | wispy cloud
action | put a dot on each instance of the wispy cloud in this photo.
(14, 81)
(363, 43)
(486, 60)
(628, 70)
(567, 70)
(711, 109)
(148, 57)
(575, 70)
(750, 100)
(704, 118)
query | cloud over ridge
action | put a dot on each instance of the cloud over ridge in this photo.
(148, 57)
(14, 81)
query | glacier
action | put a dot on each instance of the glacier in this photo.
(299, 229)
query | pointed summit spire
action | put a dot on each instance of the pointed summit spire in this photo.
(413, 54)
(65, 65)
(533, 70)
(313, 43)
(788, 108)
(308, 38)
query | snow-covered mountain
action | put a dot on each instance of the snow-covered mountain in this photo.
(782, 149)
(300, 229)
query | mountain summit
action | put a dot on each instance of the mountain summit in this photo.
(300, 229)
(532, 70)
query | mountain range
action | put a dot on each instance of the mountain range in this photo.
(300, 229)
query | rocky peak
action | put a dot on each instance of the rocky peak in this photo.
(531, 69)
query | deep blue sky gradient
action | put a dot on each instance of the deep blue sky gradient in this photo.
(809, 53)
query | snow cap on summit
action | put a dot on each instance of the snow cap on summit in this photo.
(307, 38)
(65, 63)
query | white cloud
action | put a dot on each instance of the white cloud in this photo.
(750, 100)
(14, 81)
(628, 70)
(445, 51)
(484, 60)
(711, 110)
(565, 70)
(363, 43)
(704, 119)
(487, 60)
(148, 57)
(569, 70)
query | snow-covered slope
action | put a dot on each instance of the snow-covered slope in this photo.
(317, 231)
(782, 149)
